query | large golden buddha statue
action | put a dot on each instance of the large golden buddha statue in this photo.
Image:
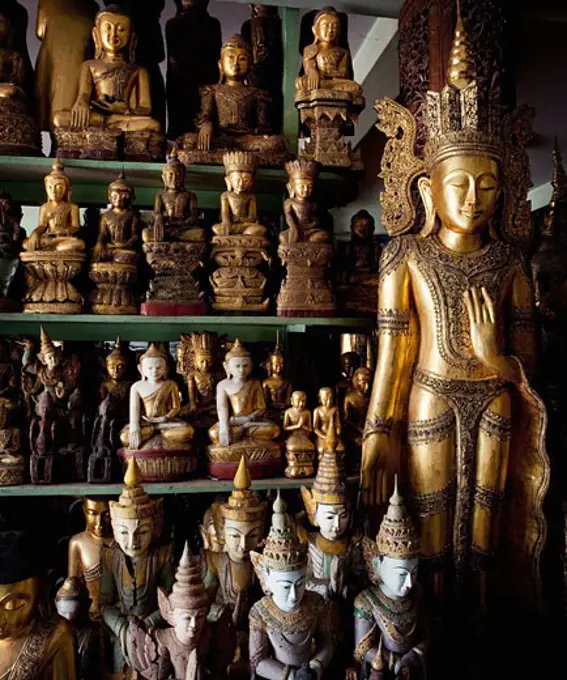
(234, 114)
(114, 99)
(456, 340)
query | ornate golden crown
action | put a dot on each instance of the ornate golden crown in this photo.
(302, 169)
(397, 536)
(202, 343)
(134, 502)
(461, 119)
(239, 161)
(243, 504)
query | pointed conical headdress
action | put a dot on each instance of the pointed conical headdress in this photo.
(189, 591)
(237, 350)
(283, 551)
(116, 355)
(397, 536)
(243, 505)
(46, 345)
(134, 502)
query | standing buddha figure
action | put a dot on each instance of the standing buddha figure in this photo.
(114, 95)
(133, 566)
(451, 405)
(242, 428)
(290, 633)
(277, 388)
(390, 626)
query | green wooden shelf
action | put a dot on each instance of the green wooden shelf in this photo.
(22, 177)
(160, 489)
(91, 327)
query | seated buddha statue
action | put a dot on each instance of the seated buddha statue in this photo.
(176, 213)
(325, 417)
(238, 203)
(59, 219)
(234, 114)
(300, 450)
(327, 65)
(154, 406)
(241, 408)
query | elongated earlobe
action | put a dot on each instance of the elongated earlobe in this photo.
(424, 188)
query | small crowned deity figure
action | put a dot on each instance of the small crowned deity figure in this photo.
(304, 218)
(19, 133)
(389, 622)
(355, 409)
(114, 92)
(133, 566)
(234, 114)
(176, 214)
(183, 649)
(451, 405)
(239, 525)
(33, 644)
(84, 568)
(12, 237)
(154, 425)
(277, 388)
(327, 416)
(299, 448)
(290, 633)
(242, 427)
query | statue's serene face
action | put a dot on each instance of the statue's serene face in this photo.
(277, 364)
(328, 28)
(203, 363)
(302, 187)
(241, 537)
(17, 606)
(56, 189)
(299, 400)
(397, 576)
(239, 367)
(97, 516)
(116, 369)
(114, 31)
(119, 198)
(51, 359)
(153, 368)
(173, 178)
(361, 381)
(286, 587)
(362, 227)
(188, 624)
(235, 62)
(332, 520)
(134, 536)
(326, 397)
(240, 182)
(464, 192)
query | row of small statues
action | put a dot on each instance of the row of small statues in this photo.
(174, 245)
(220, 99)
(332, 598)
(228, 418)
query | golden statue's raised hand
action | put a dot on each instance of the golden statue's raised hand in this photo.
(483, 328)
(375, 469)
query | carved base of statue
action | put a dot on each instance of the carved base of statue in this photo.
(264, 459)
(113, 294)
(238, 286)
(270, 150)
(300, 463)
(329, 115)
(12, 467)
(109, 144)
(359, 297)
(306, 290)
(49, 276)
(19, 134)
(174, 291)
(41, 469)
(162, 465)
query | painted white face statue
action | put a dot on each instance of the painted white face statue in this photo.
(134, 536)
(239, 367)
(153, 369)
(242, 537)
(332, 520)
(398, 576)
(188, 624)
(286, 587)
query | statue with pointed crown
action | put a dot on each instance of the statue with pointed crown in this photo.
(455, 305)
(234, 115)
(277, 388)
(183, 649)
(53, 253)
(174, 245)
(133, 566)
(290, 634)
(239, 241)
(305, 247)
(240, 526)
(242, 428)
(327, 97)
(155, 434)
(115, 254)
(390, 626)
(112, 416)
(113, 103)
